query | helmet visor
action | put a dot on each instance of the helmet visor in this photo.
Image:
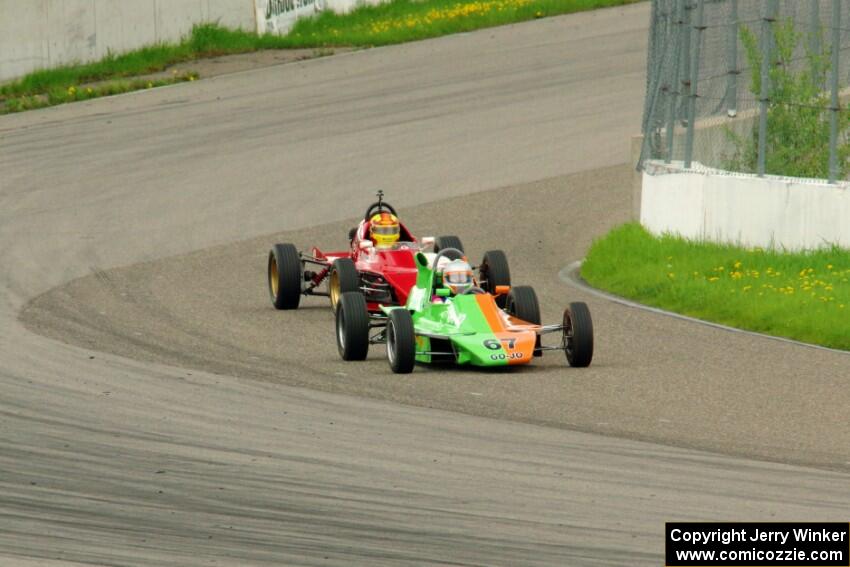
(385, 230)
(458, 277)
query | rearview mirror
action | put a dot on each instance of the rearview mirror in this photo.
(427, 242)
(444, 292)
(502, 289)
(366, 245)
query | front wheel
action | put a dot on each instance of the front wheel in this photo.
(343, 278)
(401, 341)
(578, 334)
(352, 326)
(285, 273)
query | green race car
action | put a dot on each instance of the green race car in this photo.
(449, 318)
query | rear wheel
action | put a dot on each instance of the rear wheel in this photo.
(352, 326)
(343, 278)
(443, 242)
(401, 341)
(521, 302)
(285, 273)
(494, 271)
(578, 334)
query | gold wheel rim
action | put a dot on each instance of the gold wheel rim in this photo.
(333, 289)
(274, 278)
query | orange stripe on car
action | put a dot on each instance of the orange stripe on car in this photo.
(521, 342)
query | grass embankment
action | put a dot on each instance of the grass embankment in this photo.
(393, 22)
(409, 20)
(803, 296)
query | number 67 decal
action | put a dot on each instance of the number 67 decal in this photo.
(496, 344)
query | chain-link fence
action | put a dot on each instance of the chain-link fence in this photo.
(755, 86)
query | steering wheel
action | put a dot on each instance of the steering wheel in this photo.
(377, 207)
(473, 290)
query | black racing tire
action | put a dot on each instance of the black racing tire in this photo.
(352, 326)
(285, 274)
(522, 303)
(494, 271)
(443, 242)
(401, 341)
(342, 279)
(578, 335)
(352, 233)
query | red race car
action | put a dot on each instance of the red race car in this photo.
(379, 263)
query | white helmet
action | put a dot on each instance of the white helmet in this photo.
(457, 276)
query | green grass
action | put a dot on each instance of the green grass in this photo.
(802, 296)
(394, 22)
(408, 20)
(58, 95)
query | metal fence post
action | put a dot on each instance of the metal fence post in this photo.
(814, 26)
(833, 118)
(732, 56)
(685, 62)
(674, 83)
(764, 95)
(692, 100)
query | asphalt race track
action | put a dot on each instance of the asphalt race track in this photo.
(155, 410)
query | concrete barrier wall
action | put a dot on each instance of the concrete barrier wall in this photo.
(41, 34)
(38, 34)
(343, 6)
(278, 16)
(706, 204)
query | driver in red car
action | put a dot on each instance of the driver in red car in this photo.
(384, 230)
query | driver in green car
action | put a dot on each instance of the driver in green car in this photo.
(457, 278)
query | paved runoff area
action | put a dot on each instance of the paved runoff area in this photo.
(157, 411)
